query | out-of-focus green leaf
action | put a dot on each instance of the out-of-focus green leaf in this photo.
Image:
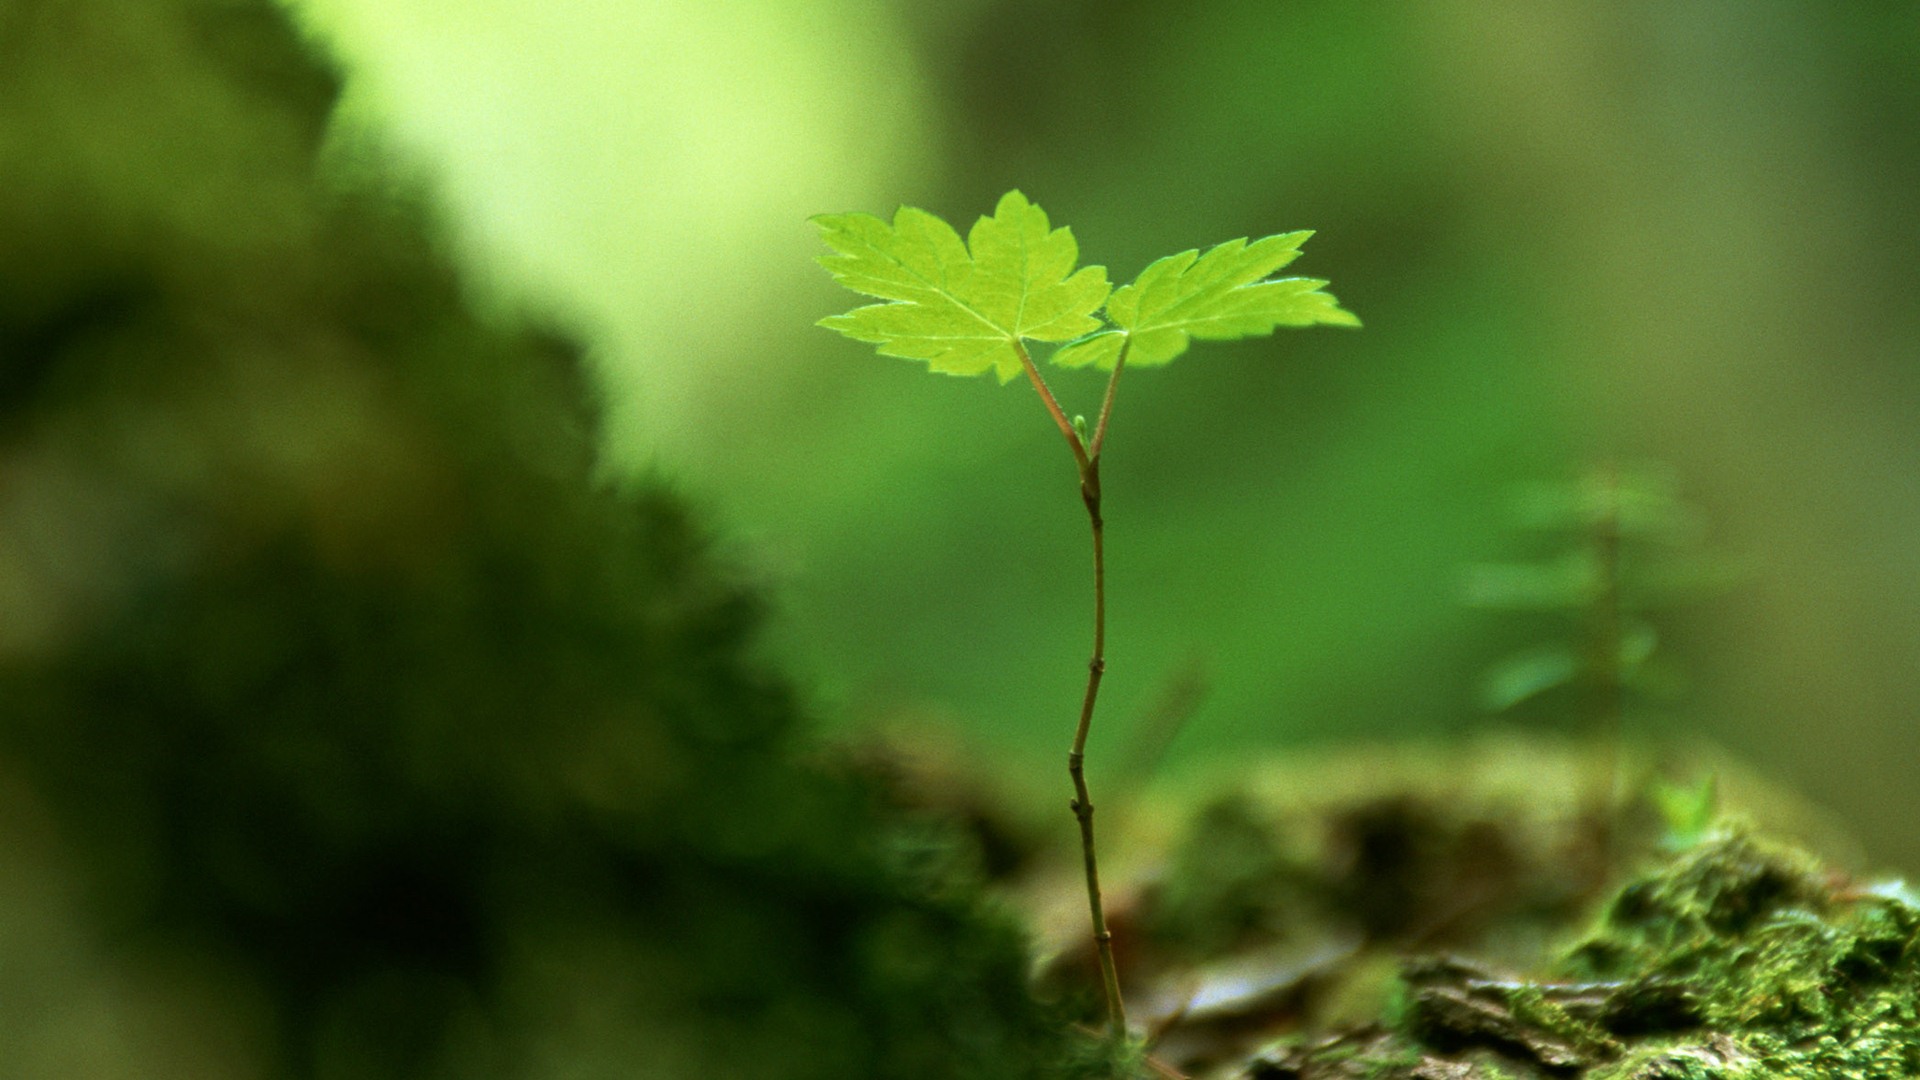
(1640, 502)
(1528, 674)
(1532, 672)
(1637, 643)
(1687, 811)
(1219, 296)
(1569, 581)
(962, 307)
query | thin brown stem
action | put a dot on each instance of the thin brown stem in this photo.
(1087, 458)
(1080, 455)
(1106, 403)
(1076, 758)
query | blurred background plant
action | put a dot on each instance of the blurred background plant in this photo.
(1611, 550)
(1581, 231)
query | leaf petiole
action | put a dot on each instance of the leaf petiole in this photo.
(1080, 455)
(1106, 403)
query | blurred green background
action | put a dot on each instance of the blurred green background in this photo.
(1679, 231)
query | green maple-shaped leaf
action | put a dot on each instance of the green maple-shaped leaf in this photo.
(1220, 296)
(964, 308)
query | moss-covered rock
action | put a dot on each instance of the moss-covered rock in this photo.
(1737, 959)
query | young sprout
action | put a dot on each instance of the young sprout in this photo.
(978, 305)
(1626, 548)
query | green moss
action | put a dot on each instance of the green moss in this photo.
(1759, 943)
(1736, 959)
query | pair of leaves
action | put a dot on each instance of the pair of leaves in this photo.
(967, 308)
(1640, 502)
(1532, 672)
(1574, 580)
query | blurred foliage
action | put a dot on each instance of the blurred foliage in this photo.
(1613, 549)
(1577, 232)
(348, 727)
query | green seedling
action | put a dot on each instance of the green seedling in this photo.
(976, 306)
(1630, 547)
(1621, 546)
